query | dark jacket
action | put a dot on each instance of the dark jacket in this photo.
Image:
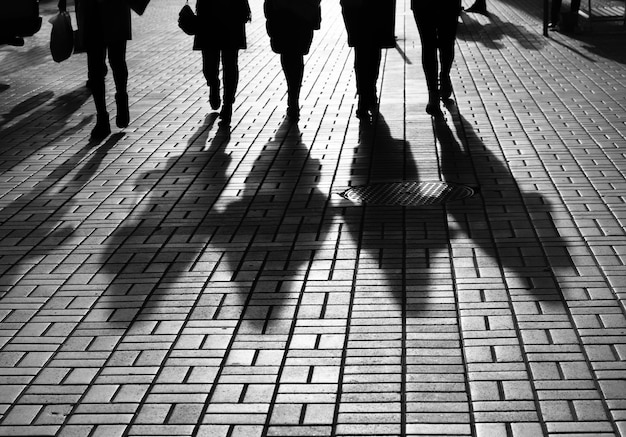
(102, 21)
(221, 24)
(290, 24)
(370, 22)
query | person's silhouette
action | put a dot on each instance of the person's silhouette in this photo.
(104, 28)
(369, 25)
(437, 24)
(221, 33)
(290, 26)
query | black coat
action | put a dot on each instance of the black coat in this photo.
(102, 21)
(222, 24)
(290, 24)
(370, 22)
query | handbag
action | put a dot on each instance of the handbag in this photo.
(61, 37)
(188, 20)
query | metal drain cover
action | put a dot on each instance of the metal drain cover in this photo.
(407, 193)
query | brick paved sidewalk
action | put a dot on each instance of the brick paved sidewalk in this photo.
(184, 279)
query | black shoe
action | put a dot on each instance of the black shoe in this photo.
(123, 116)
(102, 129)
(214, 96)
(434, 109)
(226, 114)
(293, 112)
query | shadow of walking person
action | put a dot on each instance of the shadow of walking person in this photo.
(270, 235)
(401, 241)
(402, 290)
(160, 240)
(47, 216)
(494, 34)
(512, 230)
(43, 126)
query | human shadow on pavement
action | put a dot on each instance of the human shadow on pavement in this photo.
(397, 247)
(494, 34)
(150, 249)
(270, 234)
(240, 255)
(18, 58)
(43, 126)
(40, 220)
(510, 233)
(513, 231)
(27, 105)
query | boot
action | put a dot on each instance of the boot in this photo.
(123, 116)
(102, 129)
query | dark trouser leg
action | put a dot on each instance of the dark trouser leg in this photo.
(446, 40)
(117, 60)
(293, 67)
(366, 67)
(231, 79)
(210, 68)
(96, 57)
(555, 12)
(424, 18)
(231, 74)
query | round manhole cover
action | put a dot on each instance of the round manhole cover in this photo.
(407, 193)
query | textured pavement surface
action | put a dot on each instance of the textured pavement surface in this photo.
(184, 279)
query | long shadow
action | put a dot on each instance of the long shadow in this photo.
(40, 219)
(606, 40)
(270, 235)
(513, 229)
(145, 256)
(492, 35)
(248, 253)
(42, 126)
(18, 58)
(27, 105)
(398, 244)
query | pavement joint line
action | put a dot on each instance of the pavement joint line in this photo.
(500, 314)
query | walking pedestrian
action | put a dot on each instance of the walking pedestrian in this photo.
(437, 24)
(570, 20)
(221, 34)
(370, 28)
(104, 28)
(290, 25)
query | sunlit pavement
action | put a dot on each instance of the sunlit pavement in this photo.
(180, 278)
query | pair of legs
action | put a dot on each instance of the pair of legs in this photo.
(97, 70)
(293, 68)
(366, 66)
(437, 25)
(555, 12)
(230, 72)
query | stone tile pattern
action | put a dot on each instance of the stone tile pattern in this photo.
(184, 279)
